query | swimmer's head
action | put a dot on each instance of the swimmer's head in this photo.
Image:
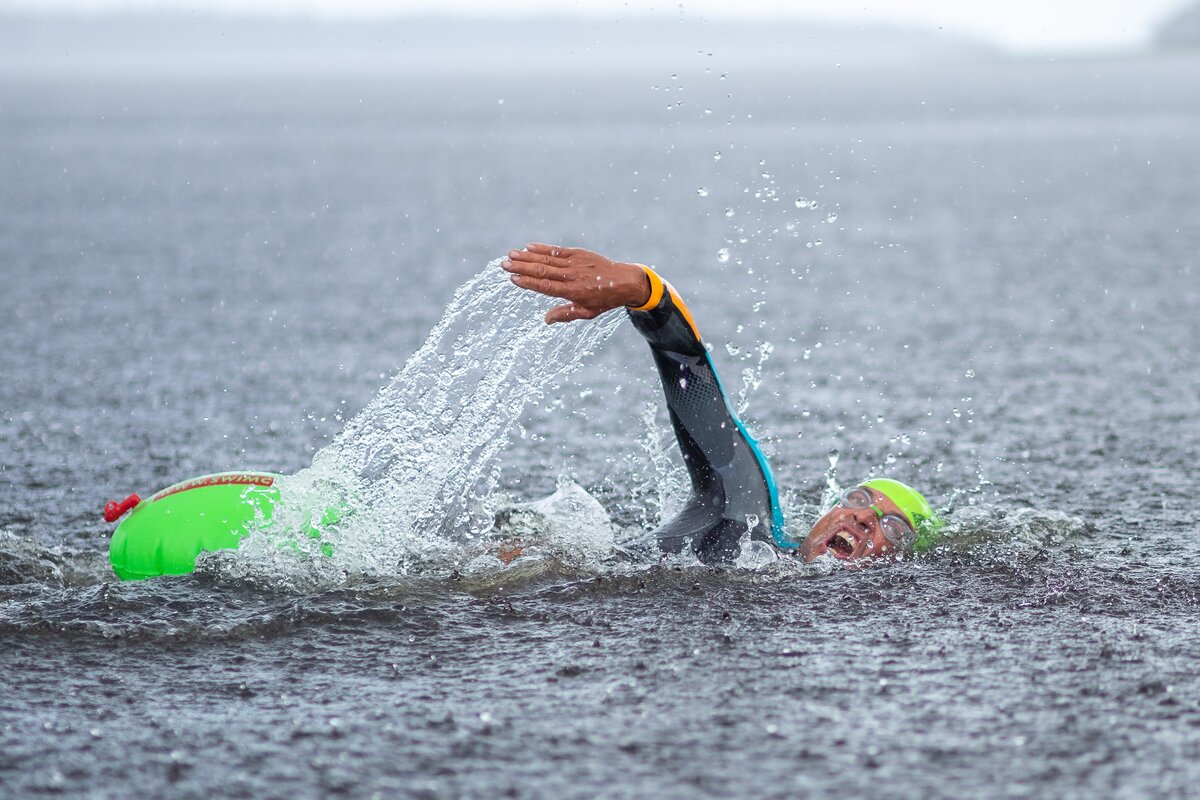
(880, 517)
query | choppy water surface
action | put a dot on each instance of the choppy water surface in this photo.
(983, 283)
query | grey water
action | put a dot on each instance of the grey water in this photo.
(977, 274)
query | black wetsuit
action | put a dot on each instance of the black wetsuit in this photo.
(733, 490)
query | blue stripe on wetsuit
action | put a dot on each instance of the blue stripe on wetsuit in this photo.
(733, 490)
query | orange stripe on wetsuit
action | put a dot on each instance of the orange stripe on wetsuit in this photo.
(659, 287)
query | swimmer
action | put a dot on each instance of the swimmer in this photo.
(733, 492)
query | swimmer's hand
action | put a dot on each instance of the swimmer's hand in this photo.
(591, 283)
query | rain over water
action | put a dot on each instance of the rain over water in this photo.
(978, 279)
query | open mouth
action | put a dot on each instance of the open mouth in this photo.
(840, 544)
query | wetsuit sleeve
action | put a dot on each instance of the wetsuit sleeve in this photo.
(733, 490)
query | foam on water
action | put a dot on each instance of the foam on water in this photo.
(410, 476)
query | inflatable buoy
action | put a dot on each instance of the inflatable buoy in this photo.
(163, 535)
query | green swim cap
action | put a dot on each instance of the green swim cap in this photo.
(921, 516)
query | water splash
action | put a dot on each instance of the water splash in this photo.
(408, 479)
(408, 485)
(665, 485)
(570, 525)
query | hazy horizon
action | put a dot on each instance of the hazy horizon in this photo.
(165, 42)
(1017, 26)
(169, 43)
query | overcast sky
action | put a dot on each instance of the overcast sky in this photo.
(1018, 24)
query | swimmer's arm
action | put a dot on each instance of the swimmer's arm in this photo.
(590, 283)
(730, 479)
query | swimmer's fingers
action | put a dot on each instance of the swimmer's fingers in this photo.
(544, 286)
(551, 250)
(569, 312)
(533, 269)
(558, 256)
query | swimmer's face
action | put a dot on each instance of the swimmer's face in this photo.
(851, 533)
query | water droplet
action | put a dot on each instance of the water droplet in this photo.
(717, 156)
(728, 212)
(831, 218)
(723, 255)
(702, 191)
(969, 373)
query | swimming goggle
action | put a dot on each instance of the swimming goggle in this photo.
(895, 528)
